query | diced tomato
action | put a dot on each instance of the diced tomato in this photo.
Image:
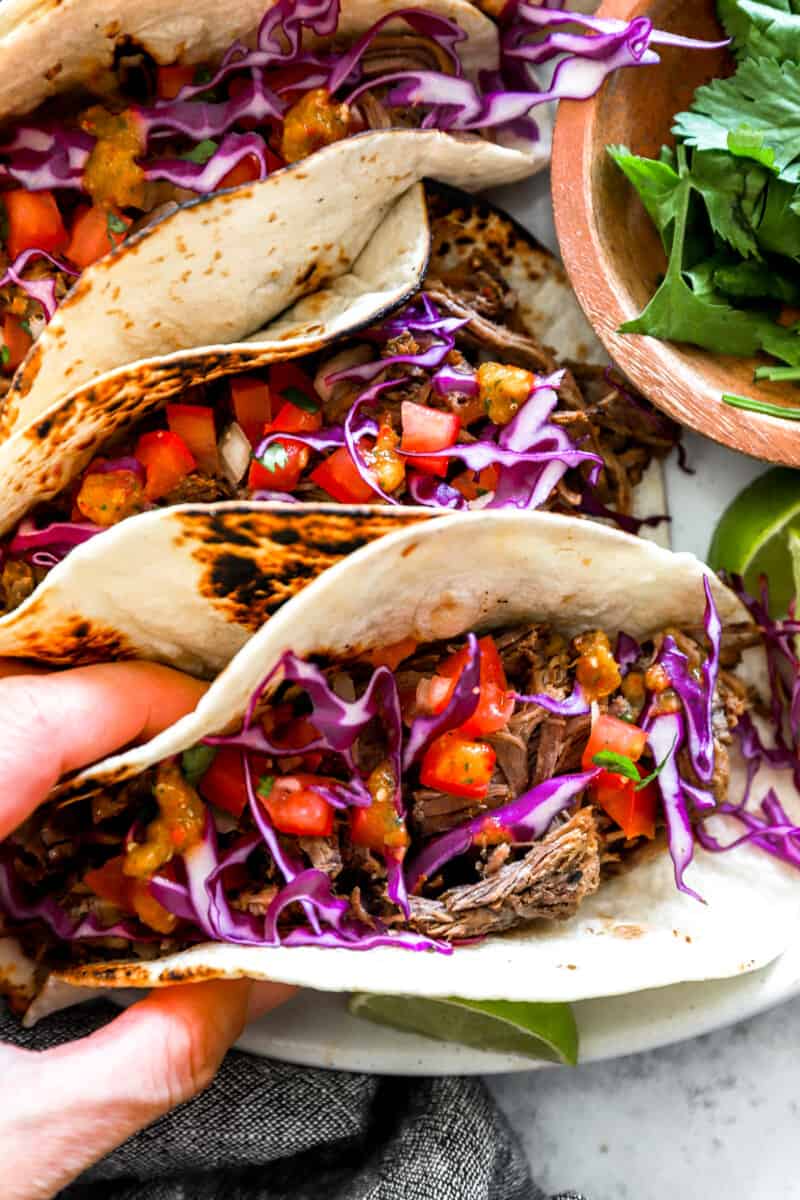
(295, 807)
(16, 342)
(247, 170)
(33, 220)
(609, 733)
(634, 812)
(223, 784)
(339, 477)
(167, 460)
(251, 404)
(293, 419)
(424, 430)
(299, 732)
(291, 382)
(282, 478)
(455, 764)
(194, 424)
(95, 230)
(131, 895)
(170, 80)
(495, 702)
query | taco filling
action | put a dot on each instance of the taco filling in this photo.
(85, 172)
(451, 403)
(417, 796)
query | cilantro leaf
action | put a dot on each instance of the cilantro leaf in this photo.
(620, 764)
(274, 457)
(196, 760)
(699, 315)
(114, 224)
(202, 152)
(762, 100)
(658, 185)
(5, 354)
(733, 192)
(762, 28)
(779, 227)
(265, 785)
(752, 280)
(299, 399)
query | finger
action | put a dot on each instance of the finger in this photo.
(75, 1104)
(56, 723)
(266, 996)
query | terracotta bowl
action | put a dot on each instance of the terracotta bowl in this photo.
(613, 254)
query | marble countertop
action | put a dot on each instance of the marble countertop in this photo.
(717, 1116)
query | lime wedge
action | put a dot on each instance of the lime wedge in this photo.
(543, 1031)
(752, 537)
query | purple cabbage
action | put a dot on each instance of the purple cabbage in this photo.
(575, 705)
(62, 534)
(14, 905)
(201, 121)
(42, 290)
(626, 652)
(697, 694)
(40, 159)
(207, 177)
(665, 738)
(526, 819)
(459, 707)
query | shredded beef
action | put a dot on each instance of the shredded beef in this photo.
(435, 812)
(17, 582)
(550, 883)
(324, 854)
(512, 758)
(198, 488)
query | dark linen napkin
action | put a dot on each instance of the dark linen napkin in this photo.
(266, 1130)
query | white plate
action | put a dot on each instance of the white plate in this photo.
(315, 1028)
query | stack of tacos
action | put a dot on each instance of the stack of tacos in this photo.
(281, 414)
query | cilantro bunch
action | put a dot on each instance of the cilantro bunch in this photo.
(726, 200)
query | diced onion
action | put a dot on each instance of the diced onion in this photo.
(234, 453)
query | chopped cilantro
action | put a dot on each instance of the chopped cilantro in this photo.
(274, 457)
(202, 75)
(114, 224)
(300, 399)
(265, 785)
(620, 764)
(196, 760)
(5, 354)
(202, 152)
(26, 325)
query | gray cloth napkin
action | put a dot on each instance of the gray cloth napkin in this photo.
(270, 1131)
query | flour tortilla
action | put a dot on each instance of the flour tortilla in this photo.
(40, 458)
(244, 559)
(440, 579)
(220, 267)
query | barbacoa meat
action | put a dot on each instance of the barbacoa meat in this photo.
(549, 883)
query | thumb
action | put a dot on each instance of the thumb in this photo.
(68, 1107)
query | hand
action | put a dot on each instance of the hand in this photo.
(63, 1109)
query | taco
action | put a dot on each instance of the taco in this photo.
(121, 118)
(518, 743)
(486, 388)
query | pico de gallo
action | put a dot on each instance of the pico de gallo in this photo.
(87, 170)
(419, 795)
(450, 403)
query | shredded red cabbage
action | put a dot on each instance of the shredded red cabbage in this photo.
(575, 705)
(45, 158)
(459, 708)
(207, 177)
(43, 290)
(526, 818)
